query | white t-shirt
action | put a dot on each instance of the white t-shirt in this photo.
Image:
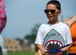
(55, 34)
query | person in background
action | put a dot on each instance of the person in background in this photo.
(3, 20)
(71, 22)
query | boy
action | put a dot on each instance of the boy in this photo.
(53, 34)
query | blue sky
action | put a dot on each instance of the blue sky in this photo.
(22, 15)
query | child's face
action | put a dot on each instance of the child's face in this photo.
(52, 12)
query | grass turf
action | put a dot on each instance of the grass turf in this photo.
(20, 53)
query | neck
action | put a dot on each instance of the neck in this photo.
(53, 22)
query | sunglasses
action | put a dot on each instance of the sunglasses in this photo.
(51, 11)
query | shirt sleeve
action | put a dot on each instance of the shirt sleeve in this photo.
(68, 36)
(39, 37)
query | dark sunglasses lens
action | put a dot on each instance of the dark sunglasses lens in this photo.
(46, 11)
(52, 11)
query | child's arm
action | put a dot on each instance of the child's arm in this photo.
(41, 48)
(73, 19)
(66, 48)
(70, 22)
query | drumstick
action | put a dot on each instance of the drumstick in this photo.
(57, 50)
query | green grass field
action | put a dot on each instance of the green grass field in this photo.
(20, 53)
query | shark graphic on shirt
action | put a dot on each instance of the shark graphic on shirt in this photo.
(53, 40)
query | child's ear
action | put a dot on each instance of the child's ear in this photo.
(59, 11)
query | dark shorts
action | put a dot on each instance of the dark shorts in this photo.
(71, 53)
(0, 51)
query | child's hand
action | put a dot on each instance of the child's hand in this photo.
(41, 53)
(44, 52)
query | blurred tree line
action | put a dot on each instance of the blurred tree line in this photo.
(31, 37)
